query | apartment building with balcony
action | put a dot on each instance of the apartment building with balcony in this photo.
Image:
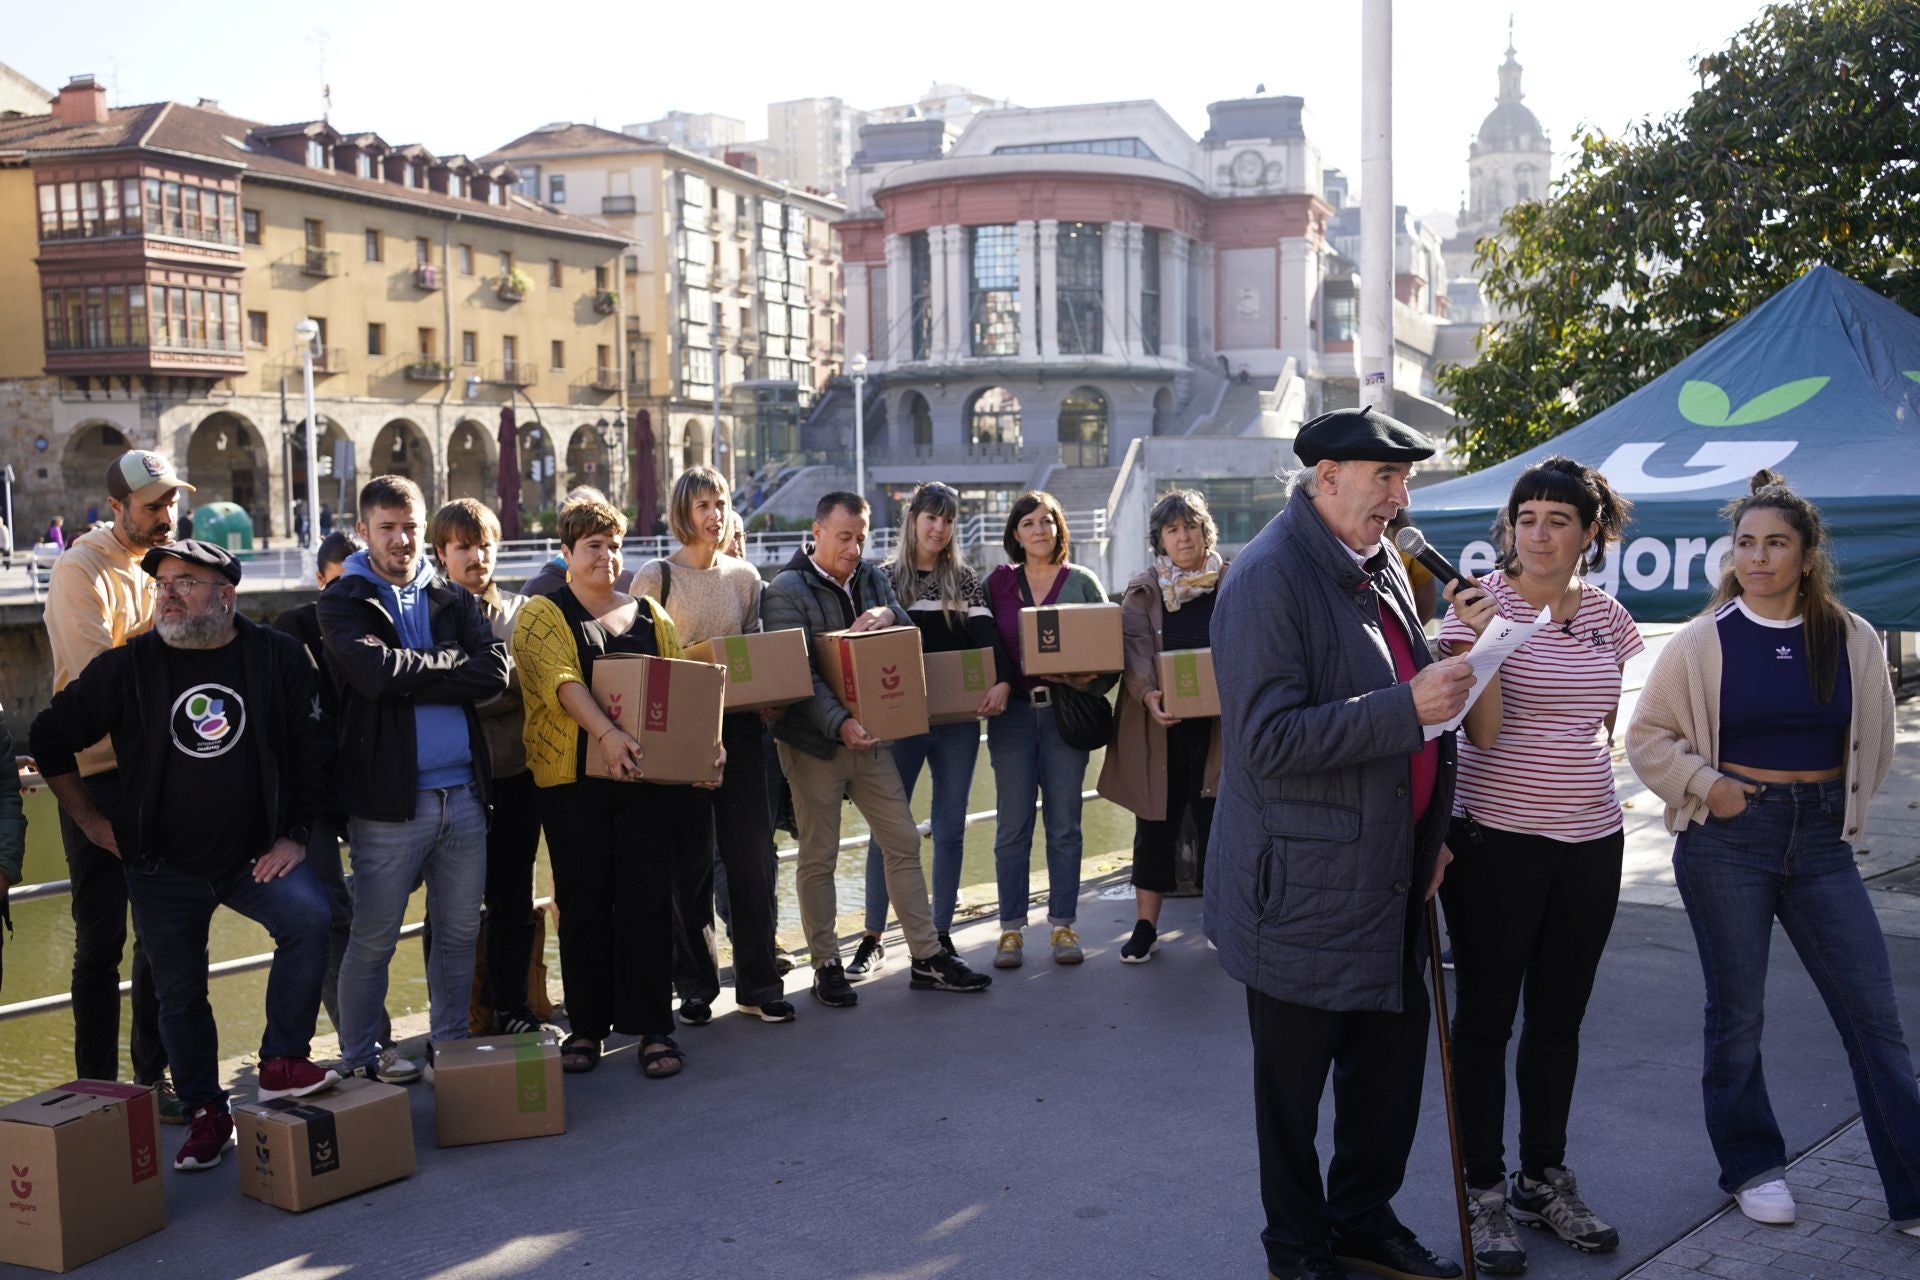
(730, 289)
(174, 248)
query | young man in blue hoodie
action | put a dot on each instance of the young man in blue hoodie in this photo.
(413, 654)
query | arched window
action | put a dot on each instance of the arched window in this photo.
(1083, 428)
(921, 417)
(1163, 412)
(993, 421)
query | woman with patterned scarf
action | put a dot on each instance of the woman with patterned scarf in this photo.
(1160, 766)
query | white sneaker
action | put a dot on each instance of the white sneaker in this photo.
(1770, 1202)
(396, 1068)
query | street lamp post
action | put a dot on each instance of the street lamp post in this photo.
(859, 366)
(306, 331)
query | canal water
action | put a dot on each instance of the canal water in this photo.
(36, 1052)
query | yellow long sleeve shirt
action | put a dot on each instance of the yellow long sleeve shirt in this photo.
(547, 658)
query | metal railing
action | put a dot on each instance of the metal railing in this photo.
(320, 262)
(222, 968)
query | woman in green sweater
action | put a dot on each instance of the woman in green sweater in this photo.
(1030, 759)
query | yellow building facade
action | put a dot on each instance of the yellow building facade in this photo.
(174, 257)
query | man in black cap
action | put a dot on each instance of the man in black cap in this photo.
(1327, 833)
(224, 749)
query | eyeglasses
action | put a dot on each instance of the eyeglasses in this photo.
(182, 587)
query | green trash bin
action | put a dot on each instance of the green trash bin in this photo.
(224, 524)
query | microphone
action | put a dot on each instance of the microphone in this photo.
(1414, 543)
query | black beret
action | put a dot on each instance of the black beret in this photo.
(193, 551)
(1360, 435)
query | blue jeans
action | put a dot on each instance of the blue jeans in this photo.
(1031, 762)
(446, 845)
(950, 750)
(1784, 857)
(171, 910)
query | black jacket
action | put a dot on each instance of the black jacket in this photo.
(121, 695)
(380, 679)
(799, 596)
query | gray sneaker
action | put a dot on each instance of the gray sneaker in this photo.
(1555, 1205)
(1496, 1245)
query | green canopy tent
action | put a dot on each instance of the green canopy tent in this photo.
(1821, 383)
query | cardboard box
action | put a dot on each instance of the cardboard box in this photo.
(81, 1166)
(671, 707)
(765, 669)
(1187, 687)
(956, 681)
(496, 1088)
(300, 1153)
(878, 676)
(1071, 639)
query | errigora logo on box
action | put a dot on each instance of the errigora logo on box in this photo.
(890, 678)
(613, 707)
(142, 1161)
(22, 1189)
(262, 1154)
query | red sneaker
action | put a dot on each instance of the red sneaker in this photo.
(209, 1135)
(293, 1078)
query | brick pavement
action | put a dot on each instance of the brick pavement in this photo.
(1842, 1232)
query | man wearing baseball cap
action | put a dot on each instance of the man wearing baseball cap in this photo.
(97, 600)
(208, 703)
(1327, 842)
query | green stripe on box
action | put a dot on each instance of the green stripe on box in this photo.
(739, 666)
(530, 1075)
(973, 673)
(1186, 675)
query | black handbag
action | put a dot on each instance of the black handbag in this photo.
(1084, 718)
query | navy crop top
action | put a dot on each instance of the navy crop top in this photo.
(1769, 715)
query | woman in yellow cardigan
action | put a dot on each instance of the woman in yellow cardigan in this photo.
(612, 878)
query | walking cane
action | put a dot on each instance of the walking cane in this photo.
(1446, 1087)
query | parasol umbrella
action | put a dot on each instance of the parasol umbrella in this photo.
(508, 486)
(645, 481)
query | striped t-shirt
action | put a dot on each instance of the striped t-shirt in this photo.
(1550, 772)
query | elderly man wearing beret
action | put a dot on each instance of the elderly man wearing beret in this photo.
(224, 749)
(1326, 842)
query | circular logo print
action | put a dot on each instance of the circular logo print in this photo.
(207, 720)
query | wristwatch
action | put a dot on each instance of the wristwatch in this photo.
(300, 835)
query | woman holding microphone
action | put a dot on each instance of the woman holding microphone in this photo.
(1766, 726)
(1162, 767)
(709, 593)
(609, 838)
(1030, 758)
(1537, 842)
(944, 598)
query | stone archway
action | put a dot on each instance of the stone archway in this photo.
(694, 449)
(1083, 428)
(472, 469)
(538, 475)
(919, 418)
(1163, 412)
(90, 450)
(339, 473)
(589, 461)
(227, 462)
(402, 449)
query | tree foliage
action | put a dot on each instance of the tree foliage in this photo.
(1801, 146)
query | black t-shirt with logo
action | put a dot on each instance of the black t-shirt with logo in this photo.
(212, 813)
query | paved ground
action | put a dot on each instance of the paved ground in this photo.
(1088, 1122)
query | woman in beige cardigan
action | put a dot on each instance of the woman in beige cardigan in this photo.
(1159, 766)
(1766, 726)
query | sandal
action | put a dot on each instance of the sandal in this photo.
(655, 1053)
(579, 1054)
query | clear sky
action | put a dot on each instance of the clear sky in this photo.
(470, 76)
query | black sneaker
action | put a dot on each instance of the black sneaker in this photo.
(942, 972)
(946, 943)
(696, 1013)
(770, 1011)
(1140, 947)
(1400, 1255)
(1555, 1205)
(868, 958)
(831, 988)
(1446, 959)
(518, 1022)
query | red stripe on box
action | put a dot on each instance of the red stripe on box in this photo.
(846, 673)
(141, 1157)
(659, 683)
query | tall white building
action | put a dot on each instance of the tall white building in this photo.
(811, 142)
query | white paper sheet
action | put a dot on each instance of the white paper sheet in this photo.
(1493, 647)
